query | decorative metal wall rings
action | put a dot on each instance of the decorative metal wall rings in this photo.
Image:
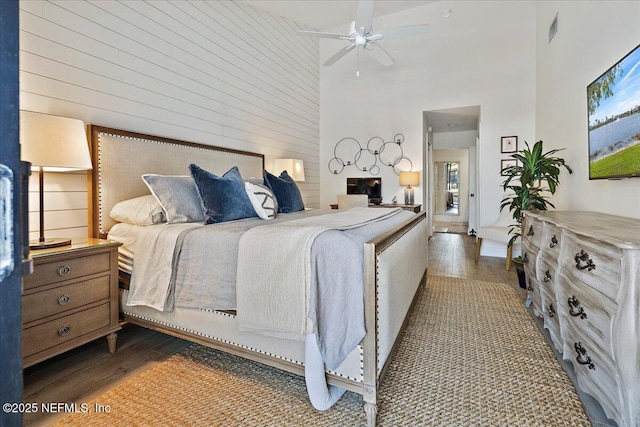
(349, 152)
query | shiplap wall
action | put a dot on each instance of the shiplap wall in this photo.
(214, 72)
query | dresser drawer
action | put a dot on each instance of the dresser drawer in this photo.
(534, 292)
(600, 382)
(594, 263)
(547, 278)
(64, 329)
(60, 270)
(587, 310)
(550, 242)
(532, 231)
(47, 303)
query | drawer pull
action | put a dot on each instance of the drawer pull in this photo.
(530, 288)
(64, 270)
(582, 357)
(554, 242)
(552, 311)
(530, 232)
(547, 276)
(64, 330)
(583, 261)
(575, 304)
(64, 299)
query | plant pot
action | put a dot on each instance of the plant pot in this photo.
(522, 281)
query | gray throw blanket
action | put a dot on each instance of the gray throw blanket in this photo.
(274, 286)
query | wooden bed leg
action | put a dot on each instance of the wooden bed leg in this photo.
(371, 409)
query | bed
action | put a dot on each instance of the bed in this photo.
(392, 254)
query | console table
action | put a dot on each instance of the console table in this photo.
(412, 208)
(583, 275)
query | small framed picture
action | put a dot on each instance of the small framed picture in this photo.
(509, 144)
(505, 163)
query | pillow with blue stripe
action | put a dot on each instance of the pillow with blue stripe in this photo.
(262, 199)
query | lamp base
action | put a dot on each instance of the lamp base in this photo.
(49, 243)
(408, 196)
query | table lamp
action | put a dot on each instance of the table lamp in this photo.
(52, 144)
(409, 180)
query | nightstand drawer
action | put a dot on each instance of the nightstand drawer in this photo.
(59, 331)
(67, 269)
(47, 303)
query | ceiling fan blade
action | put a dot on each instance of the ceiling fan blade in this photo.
(364, 16)
(322, 35)
(379, 54)
(339, 54)
(408, 31)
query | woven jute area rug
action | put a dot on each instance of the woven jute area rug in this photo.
(471, 356)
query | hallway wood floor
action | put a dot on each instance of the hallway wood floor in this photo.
(89, 371)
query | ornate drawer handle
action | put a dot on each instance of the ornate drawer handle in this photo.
(554, 242)
(530, 232)
(64, 330)
(552, 311)
(529, 287)
(547, 276)
(583, 261)
(575, 304)
(64, 299)
(582, 357)
(64, 270)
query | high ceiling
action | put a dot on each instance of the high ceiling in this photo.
(325, 14)
(328, 14)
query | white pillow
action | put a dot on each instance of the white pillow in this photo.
(143, 210)
(262, 200)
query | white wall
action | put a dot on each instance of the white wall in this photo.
(484, 54)
(591, 37)
(218, 73)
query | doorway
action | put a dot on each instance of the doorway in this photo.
(451, 136)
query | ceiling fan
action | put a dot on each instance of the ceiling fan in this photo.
(361, 34)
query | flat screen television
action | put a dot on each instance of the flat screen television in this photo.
(372, 187)
(613, 103)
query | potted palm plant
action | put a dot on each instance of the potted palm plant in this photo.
(528, 186)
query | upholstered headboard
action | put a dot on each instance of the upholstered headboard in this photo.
(120, 158)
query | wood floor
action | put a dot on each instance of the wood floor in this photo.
(90, 370)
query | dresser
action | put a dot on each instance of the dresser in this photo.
(583, 276)
(412, 208)
(70, 299)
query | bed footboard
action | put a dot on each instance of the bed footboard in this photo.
(395, 266)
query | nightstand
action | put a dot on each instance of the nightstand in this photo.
(70, 299)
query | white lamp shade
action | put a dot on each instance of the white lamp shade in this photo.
(409, 179)
(294, 167)
(57, 144)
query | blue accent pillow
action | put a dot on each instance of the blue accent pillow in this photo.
(286, 191)
(223, 198)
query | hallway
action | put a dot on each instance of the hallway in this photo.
(452, 254)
